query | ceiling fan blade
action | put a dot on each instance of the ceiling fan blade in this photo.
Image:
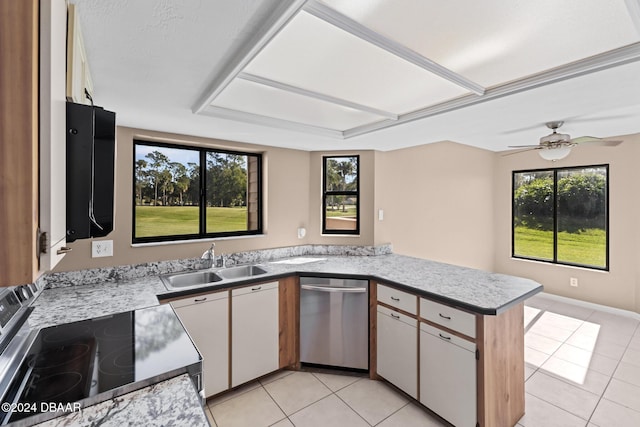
(525, 146)
(597, 141)
(512, 152)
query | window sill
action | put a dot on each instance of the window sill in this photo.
(552, 264)
(186, 242)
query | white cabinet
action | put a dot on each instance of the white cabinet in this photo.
(397, 349)
(78, 76)
(255, 332)
(53, 31)
(206, 318)
(449, 317)
(398, 299)
(448, 376)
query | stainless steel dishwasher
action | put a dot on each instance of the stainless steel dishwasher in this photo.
(334, 322)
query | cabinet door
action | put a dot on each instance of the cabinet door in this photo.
(448, 376)
(255, 332)
(397, 353)
(206, 318)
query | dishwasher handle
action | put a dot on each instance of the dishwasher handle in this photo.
(333, 289)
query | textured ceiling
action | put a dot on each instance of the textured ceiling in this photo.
(151, 61)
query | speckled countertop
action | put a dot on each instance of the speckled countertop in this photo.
(478, 291)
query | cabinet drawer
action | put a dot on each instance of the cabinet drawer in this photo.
(199, 299)
(447, 337)
(253, 288)
(398, 316)
(452, 318)
(398, 299)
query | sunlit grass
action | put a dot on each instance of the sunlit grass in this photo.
(586, 247)
(180, 220)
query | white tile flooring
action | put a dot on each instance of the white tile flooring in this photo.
(582, 369)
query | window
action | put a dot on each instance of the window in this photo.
(340, 195)
(561, 216)
(183, 192)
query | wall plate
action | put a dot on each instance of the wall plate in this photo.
(101, 248)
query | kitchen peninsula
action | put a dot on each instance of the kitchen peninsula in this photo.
(492, 302)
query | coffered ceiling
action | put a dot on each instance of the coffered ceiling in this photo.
(357, 74)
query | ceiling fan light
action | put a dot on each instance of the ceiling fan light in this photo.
(554, 154)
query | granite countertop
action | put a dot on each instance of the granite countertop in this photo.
(479, 291)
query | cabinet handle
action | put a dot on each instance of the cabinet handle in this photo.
(444, 336)
(64, 250)
(395, 316)
(395, 299)
(444, 317)
(256, 289)
(200, 299)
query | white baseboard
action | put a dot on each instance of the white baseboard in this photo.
(592, 306)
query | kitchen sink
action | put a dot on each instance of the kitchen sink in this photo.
(194, 278)
(241, 272)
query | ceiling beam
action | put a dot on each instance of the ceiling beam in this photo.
(316, 95)
(600, 62)
(633, 6)
(335, 18)
(258, 119)
(277, 20)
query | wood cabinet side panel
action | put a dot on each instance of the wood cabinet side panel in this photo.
(289, 320)
(501, 368)
(19, 25)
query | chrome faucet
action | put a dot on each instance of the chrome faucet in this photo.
(207, 258)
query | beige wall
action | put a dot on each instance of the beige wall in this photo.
(437, 203)
(620, 287)
(286, 204)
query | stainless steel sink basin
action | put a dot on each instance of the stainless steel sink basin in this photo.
(194, 278)
(241, 272)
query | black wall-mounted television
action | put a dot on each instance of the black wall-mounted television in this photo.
(91, 143)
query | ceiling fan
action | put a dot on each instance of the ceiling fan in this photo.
(556, 146)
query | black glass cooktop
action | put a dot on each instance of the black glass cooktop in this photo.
(83, 360)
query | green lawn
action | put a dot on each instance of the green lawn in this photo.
(177, 220)
(350, 211)
(587, 247)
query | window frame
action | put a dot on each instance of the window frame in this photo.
(202, 207)
(328, 193)
(555, 260)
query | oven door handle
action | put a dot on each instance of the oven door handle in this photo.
(333, 289)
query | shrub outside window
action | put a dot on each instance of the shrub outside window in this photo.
(183, 192)
(340, 195)
(561, 216)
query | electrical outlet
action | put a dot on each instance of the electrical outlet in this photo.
(380, 215)
(101, 248)
(573, 282)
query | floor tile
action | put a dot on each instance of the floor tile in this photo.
(561, 394)
(296, 391)
(554, 319)
(528, 371)
(534, 358)
(571, 310)
(635, 341)
(283, 423)
(540, 301)
(530, 314)
(335, 382)
(597, 345)
(587, 358)
(541, 343)
(550, 330)
(609, 413)
(231, 394)
(373, 400)
(328, 412)
(623, 393)
(539, 413)
(576, 375)
(628, 373)
(412, 415)
(207, 412)
(275, 376)
(632, 356)
(254, 408)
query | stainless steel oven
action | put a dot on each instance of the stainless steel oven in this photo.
(334, 322)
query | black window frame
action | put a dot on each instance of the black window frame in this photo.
(202, 214)
(555, 216)
(328, 193)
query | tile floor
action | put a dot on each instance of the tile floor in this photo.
(582, 369)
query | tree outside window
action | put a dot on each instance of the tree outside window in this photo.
(341, 187)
